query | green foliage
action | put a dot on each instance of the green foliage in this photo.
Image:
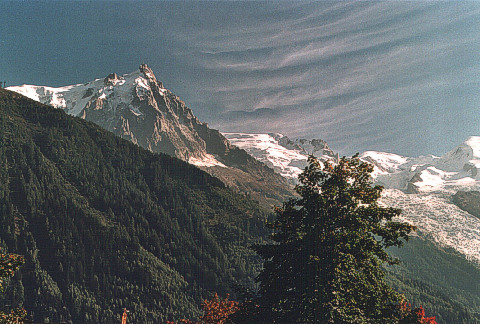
(105, 225)
(330, 244)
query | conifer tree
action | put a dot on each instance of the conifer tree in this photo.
(325, 264)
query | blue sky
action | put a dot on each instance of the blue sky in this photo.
(393, 76)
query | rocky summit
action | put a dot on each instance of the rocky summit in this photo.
(137, 106)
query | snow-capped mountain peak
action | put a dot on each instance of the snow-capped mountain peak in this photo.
(77, 99)
(384, 162)
(137, 107)
(422, 186)
(466, 156)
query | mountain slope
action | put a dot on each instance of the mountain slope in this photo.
(439, 279)
(136, 106)
(105, 224)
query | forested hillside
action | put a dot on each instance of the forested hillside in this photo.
(104, 224)
(442, 280)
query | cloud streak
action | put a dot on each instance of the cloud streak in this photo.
(351, 72)
(392, 75)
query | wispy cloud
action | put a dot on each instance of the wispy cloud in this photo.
(345, 71)
(388, 75)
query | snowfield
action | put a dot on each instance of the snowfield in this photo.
(438, 220)
(287, 157)
(265, 148)
(422, 187)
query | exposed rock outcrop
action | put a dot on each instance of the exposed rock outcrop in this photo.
(136, 106)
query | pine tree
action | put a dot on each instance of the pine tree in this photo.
(325, 264)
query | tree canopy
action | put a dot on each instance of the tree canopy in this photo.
(105, 225)
(325, 263)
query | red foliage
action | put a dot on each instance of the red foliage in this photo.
(215, 311)
(183, 321)
(409, 315)
(9, 263)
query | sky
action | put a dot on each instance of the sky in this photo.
(393, 76)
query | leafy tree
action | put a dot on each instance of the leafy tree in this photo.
(9, 263)
(16, 316)
(215, 311)
(409, 315)
(325, 264)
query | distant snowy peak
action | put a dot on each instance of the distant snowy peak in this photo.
(315, 147)
(466, 156)
(384, 162)
(423, 188)
(457, 168)
(76, 99)
(287, 157)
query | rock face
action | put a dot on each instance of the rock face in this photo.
(316, 147)
(286, 156)
(468, 201)
(137, 107)
(134, 106)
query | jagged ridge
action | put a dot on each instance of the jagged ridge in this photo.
(287, 157)
(136, 106)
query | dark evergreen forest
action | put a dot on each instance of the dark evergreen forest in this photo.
(104, 224)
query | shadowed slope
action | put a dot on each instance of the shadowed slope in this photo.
(105, 224)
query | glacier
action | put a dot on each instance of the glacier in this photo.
(287, 157)
(421, 186)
